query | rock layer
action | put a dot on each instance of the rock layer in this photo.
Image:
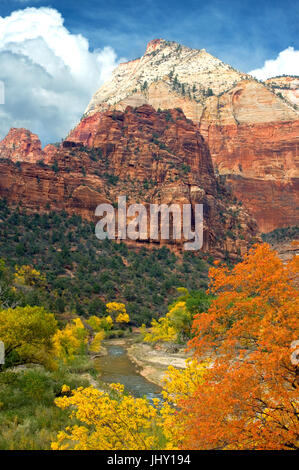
(286, 86)
(251, 128)
(149, 156)
(256, 148)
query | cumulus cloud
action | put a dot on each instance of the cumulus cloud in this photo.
(49, 74)
(286, 63)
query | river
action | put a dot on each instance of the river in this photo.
(116, 367)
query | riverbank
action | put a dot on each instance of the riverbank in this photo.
(117, 367)
(150, 361)
(154, 362)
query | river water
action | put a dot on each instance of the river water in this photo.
(117, 367)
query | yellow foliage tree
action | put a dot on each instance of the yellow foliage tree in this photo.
(178, 386)
(177, 324)
(28, 276)
(161, 330)
(109, 422)
(27, 335)
(70, 341)
(117, 310)
(181, 319)
(97, 341)
(107, 323)
(123, 318)
(98, 324)
(121, 422)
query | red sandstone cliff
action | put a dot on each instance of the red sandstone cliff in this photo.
(21, 145)
(149, 156)
(250, 127)
(256, 147)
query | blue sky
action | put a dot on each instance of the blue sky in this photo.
(54, 54)
(244, 33)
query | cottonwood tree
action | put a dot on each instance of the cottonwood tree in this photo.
(249, 396)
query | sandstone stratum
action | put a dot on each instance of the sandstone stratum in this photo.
(286, 86)
(176, 125)
(251, 127)
(149, 156)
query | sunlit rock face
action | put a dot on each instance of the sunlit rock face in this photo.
(286, 86)
(220, 121)
(251, 127)
(146, 155)
(168, 75)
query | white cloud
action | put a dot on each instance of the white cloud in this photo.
(286, 63)
(49, 74)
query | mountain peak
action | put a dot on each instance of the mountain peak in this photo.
(167, 69)
(153, 44)
(20, 145)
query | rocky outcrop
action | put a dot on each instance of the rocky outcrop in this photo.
(168, 75)
(251, 128)
(21, 145)
(149, 156)
(256, 147)
(286, 86)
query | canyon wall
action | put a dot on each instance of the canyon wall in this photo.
(149, 156)
(251, 127)
(159, 130)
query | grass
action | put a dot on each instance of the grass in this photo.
(29, 418)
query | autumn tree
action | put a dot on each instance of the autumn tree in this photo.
(70, 340)
(27, 335)
(99, 324)
(96, 342)
(108, 421)
(160, 330)
(240, 391)
(177, 324)
(116, 421)
(178, 386)
(249, 397)
(29, 276)
(118, 312)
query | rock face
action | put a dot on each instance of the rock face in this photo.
(170, 75)
(251, 128)
(285, 86)
(167, 76)
(149, 156)
(254, 143)
(21, 145)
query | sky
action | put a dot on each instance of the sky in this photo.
(55, 54)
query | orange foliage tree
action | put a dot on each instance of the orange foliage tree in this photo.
(249, 396)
